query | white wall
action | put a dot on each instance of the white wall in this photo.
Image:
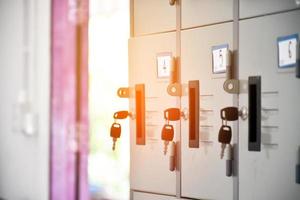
(24, 160)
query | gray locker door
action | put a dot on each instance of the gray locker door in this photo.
(152, 16)
(203, 172)
(250, 8)
(203, 12)
(149, 166)
(269, 173)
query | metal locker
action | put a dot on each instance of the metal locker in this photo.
(251, 8)
(203, 173)
(268, 148)
(149, 166)
(152, 16)
(204, 12)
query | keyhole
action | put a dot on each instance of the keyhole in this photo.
(290, 52)
(221, 57)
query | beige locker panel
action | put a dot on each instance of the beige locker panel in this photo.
(203, 172)
(269, 173)
(251, 8)
(153, 16)
(203, 12)
(148, 196)
(149, 166)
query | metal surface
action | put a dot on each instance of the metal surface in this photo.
(149, 166)
(250, 8)
(205, 163)
(197, 13)
(280, 119)
(153, 16)
(199, 26)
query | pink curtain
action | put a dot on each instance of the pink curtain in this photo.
(69, 100)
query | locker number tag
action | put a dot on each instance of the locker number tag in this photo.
(220, 58)
(164, 65)
(287, 51)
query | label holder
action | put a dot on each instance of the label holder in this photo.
(217, 70)
(286, 46)
(160, 72)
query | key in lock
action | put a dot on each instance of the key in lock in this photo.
(172, 114)
(229, 113)
(121, 114)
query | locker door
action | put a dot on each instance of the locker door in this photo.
(204, 12)
(203, 172)
(251, 8)
(152, 16)
(149, 166)
(270, 172)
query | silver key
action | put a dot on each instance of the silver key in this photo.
(223, 146)
(114, 144)
(166, 144)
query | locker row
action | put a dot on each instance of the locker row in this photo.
(201, 61)
(196, 13)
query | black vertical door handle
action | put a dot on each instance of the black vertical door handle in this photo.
(254, 120)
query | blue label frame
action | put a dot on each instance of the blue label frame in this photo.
(221, 46)
(284, 38)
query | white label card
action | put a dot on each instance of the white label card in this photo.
(220, 61)
(164, 65)
(287, 51)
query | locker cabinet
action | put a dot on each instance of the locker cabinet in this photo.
(266, 163)
(270, 172)
(203, 172)
(152, 16)
(149, 166)
(251, 8)
(203, 12)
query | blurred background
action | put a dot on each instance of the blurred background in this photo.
(61, 63)
(108, 70)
